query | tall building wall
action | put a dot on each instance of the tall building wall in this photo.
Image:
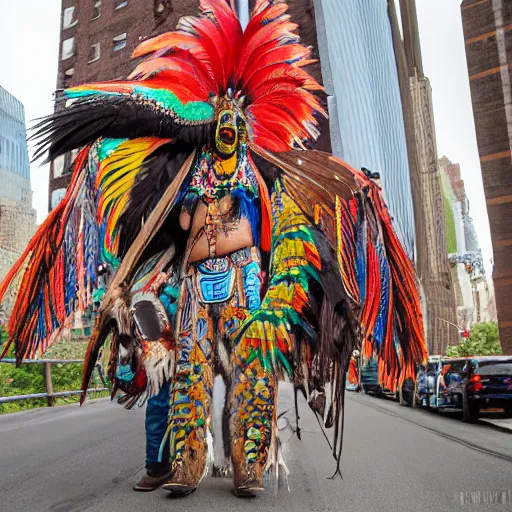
(438, 279)
(369, 114)
(17, 217)
(488, 39)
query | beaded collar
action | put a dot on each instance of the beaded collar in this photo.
(214, 178)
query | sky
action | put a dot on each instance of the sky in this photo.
(444, 63)
(29, 42)
(29, 47)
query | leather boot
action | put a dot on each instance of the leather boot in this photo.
(187, 472)
(247, 478)
(150, 482)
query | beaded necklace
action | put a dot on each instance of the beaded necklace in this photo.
(213, 179)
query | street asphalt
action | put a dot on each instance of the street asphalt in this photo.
(395, 459)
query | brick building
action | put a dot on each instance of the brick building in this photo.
(488, 36)
(96, 41)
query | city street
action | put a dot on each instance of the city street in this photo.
(395, 458)
(260, 189)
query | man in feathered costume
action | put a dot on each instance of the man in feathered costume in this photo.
(225, 246)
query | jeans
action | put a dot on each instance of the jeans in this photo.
(157, 413)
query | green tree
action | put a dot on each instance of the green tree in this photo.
(483, 341)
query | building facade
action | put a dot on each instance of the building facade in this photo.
(17, 217)
(361, 79)
(474, 295)
(488, 37)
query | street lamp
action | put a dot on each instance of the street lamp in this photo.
(463, 333)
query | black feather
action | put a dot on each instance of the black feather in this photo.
(158, 172)
(116, 117)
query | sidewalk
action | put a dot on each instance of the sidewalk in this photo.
(504, 424)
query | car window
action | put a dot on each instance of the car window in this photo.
(454, 366)
(494, 369)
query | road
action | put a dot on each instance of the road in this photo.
(86, 459)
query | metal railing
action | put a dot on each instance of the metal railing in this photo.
(49, 394)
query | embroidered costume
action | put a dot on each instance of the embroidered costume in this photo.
(226, 246)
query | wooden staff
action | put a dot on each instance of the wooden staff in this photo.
(127, 268)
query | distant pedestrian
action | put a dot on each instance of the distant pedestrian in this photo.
(99, 366)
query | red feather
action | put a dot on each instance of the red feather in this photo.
(42, 253)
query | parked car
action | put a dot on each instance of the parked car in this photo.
(468, 384)
(488, 385)
(369, 375)
(424, 388)
(406, 393)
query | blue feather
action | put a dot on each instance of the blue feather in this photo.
(249, 208)
(380, 325)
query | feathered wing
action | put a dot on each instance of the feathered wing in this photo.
(339, 279)
(47, 273)
(58, 272)
(130, 109)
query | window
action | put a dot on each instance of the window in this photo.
(94, 52)
(119, 42)
(68, 75)
(96, 12)
(494, 368)
(119, 4)
(58, 166)
(58, 196)
(69, 18)
(68, 48)
(163, 8)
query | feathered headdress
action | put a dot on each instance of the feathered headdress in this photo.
(174, 92)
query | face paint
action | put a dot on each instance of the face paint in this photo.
(230, 130)
(226, 137)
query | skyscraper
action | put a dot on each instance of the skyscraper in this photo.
(360, 75)
(488, 36)
(17, 217)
